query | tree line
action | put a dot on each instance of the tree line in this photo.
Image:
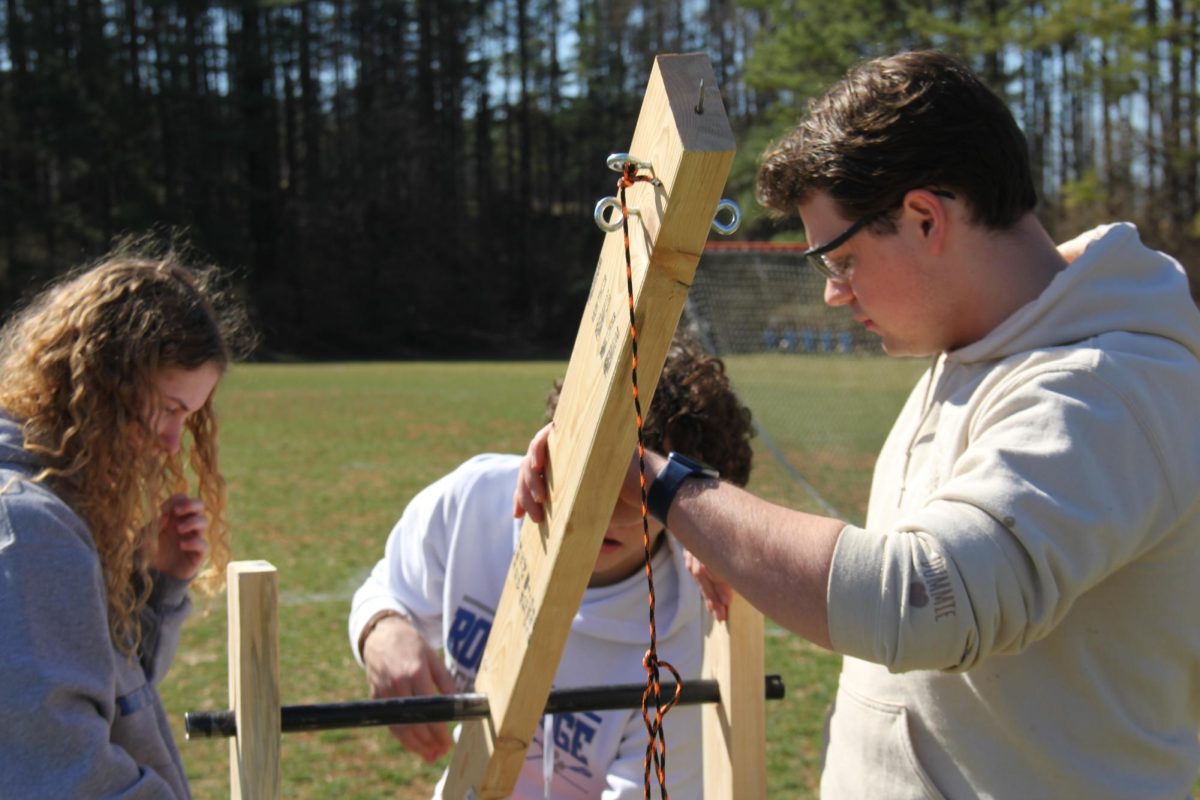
(408, 178)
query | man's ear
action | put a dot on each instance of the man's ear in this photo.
(928, 211)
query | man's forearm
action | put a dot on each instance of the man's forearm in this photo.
(775, 557)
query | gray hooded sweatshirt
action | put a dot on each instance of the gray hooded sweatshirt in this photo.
(78, 719)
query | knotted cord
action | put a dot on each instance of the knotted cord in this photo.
(656, 744)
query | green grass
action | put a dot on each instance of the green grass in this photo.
(321, 460)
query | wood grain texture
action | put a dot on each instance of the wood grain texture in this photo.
(254, 680)
(594, 433)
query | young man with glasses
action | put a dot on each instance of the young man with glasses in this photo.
(1017, 613)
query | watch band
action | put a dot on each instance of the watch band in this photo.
(666, 484)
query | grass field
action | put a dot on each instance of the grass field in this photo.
(321, 460)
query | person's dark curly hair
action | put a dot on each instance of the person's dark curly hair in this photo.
(695, 412)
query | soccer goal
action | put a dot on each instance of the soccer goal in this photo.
(822, 392)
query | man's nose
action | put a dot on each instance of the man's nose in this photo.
(837, 293)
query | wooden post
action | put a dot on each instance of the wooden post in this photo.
(254, 680)
(735, 739)
(684, 133)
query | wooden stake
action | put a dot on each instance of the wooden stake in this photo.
(254, 680)
(735, 739)
(690, 147)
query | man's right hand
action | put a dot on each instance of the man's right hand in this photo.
(400, 664)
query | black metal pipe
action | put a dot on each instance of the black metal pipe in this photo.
(451, 707)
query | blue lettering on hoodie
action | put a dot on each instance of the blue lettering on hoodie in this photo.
(468, 636)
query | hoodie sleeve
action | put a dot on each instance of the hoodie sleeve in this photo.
(162, 622)
(411, 576)
(1059, 486)
(57, 698)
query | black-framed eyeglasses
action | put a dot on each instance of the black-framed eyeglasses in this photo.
(841, 271)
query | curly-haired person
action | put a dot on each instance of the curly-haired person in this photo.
(106, 373)
(444, 568)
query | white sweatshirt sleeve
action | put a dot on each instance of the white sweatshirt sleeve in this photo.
(409, 579)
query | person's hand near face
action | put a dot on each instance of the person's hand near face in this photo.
(183, 524)
(182, 540)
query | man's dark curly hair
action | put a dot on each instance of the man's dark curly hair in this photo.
(695, 412)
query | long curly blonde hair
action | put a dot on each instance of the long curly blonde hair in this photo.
(79, 364)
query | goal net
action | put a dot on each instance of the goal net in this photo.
(822, 392)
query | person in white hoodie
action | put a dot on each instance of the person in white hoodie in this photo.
(444, 568)
(1018, 614)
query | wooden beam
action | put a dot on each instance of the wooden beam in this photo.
(690, 151)
(254, 680)
(735, 739)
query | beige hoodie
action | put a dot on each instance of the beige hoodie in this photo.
(1020, 612)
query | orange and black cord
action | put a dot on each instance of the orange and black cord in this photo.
(656, 745)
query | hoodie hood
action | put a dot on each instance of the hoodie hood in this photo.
(619, 613)
(13, 455)
(1113, 282)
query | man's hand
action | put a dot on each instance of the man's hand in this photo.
(717, 593)
(530, 494)
(182, 544)
(400, 664)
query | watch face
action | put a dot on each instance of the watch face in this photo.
(694, 466)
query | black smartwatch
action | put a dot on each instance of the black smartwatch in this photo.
(677, 470)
